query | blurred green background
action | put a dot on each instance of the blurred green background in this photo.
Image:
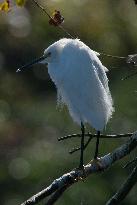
(30, 123)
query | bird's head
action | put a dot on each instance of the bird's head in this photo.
(52, 54)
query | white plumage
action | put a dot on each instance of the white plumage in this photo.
(81, 82)
(82, 85)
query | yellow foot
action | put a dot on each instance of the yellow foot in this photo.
(97, 163)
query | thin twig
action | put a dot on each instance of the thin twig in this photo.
(56, 196)
(94, 135)
(75, 175)
(74, 149)
(124, 189)
(69, 136)
(43, 9)
(78, 148)
(72, 36)
(113, 56)
(130, 162)
(65, 30)
(50, 17)
(129, 76)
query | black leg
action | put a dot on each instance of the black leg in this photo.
(82, 145)
(97, 145)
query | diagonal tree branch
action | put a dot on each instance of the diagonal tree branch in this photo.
(56, 195)
(50, 17)
(130, 162)
(58, 186)
(124, 189)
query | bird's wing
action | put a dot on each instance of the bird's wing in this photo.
(101, 71)
(83, 89)
(81, 82)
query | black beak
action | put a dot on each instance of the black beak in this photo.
(37, 60)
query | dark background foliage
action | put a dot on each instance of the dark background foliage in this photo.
(30, 123)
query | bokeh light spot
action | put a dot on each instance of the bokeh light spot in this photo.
(19, 168)
(19, 22)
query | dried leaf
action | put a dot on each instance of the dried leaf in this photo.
(5, 6)
(56, 18)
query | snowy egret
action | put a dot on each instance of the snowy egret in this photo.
(81, 83)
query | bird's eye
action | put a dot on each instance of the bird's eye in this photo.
(47, 54)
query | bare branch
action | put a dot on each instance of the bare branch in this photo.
(112, 56)
(95, 135)
(128, 59)
(130, 162)
(78, 148)
(43, 9)
(129, 76)
(75, 175)
(56, 195)
(50, 17)
(124, 189)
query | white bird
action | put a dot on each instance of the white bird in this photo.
(81, 83)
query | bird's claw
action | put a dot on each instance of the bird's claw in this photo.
(81, 172)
